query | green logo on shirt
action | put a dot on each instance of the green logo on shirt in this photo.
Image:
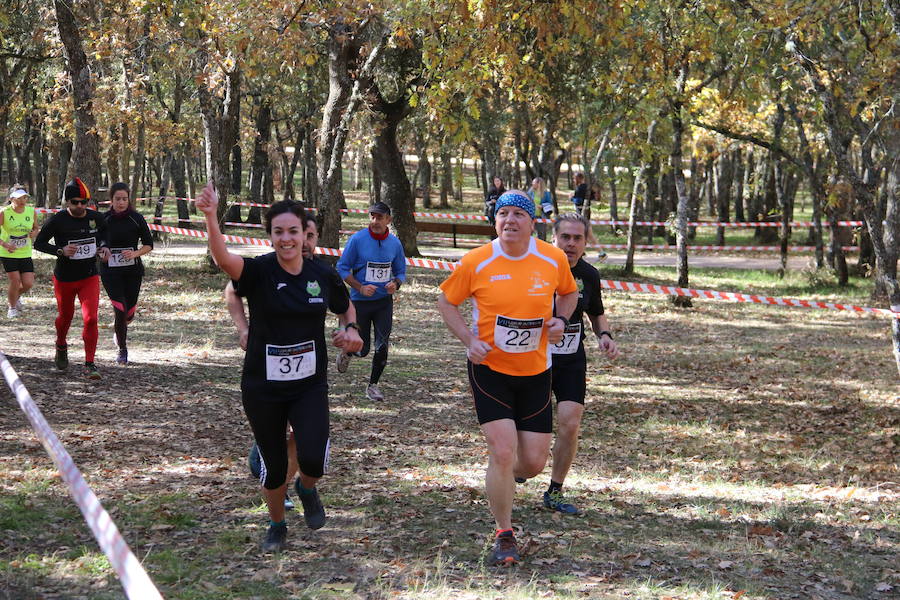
(313, 288)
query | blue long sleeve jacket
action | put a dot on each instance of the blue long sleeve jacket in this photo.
(372, 261)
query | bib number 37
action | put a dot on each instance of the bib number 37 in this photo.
(517, 335)
(290, 363)
(569, 343)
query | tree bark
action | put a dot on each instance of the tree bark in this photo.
(344, 98)
(220, 119)
(87, 141)
(634, 209)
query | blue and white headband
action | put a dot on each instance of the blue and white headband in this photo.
(517, 199)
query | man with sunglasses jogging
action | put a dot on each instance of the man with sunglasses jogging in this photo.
(78, 235)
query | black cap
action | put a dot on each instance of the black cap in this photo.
(380, 208)
(76, 189)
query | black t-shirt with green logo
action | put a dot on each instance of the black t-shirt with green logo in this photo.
(590, 301)
(286, 350)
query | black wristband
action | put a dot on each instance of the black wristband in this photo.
(397, 282)
(353, 325)
(606, 333)
(563, 319)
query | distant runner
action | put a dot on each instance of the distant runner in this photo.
(512, 282)
(374, 266)
(18, 226)
(79, 236)
(128, 238)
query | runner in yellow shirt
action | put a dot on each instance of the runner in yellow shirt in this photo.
(512, 283)
(18, 226)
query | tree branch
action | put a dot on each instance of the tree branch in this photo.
(746, 137)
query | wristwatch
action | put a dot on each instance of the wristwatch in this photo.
(397, 282)
(563, 319)
(606, 333)
(353, 325)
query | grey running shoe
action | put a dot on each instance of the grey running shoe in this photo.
(61, 360)
(373, 393)
(12, 312)
(505, 551)
(122, 358)
(342, 362)
(313, 511)
(276, 538)
(555, 501)
(91, 371)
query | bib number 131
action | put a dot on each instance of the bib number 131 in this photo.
(290, 363)
(517, 335)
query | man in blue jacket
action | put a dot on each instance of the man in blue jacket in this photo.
(374, 266)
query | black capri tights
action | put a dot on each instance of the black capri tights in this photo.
(308, 415)
(123, 290)
(377, 315)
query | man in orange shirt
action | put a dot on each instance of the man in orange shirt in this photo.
(512, 283)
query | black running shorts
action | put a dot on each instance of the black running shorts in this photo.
(522, 398)
(22, 265)
(570, 382)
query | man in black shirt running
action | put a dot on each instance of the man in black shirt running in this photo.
(569, 359)
(79, 236)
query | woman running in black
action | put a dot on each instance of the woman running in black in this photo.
(285, 366)
(128, 239)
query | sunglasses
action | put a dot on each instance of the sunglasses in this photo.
(78, 201)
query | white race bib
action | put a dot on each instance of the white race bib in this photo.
(290, 363)
(87, 248)
(517, 335)
(19, 241)
(378, 272)
(116, 259)
(569, 343)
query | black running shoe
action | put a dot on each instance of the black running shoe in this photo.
(91, 371)
(61, 360)
(313, 511)
(520, 479)
(505, 551)
(276, 538)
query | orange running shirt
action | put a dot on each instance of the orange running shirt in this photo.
(512, 300)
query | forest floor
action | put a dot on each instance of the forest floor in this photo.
(733, 451)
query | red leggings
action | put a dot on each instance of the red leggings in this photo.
(88, 292)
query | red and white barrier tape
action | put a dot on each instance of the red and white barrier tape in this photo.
(647, 288)
(718, 248)
(607, 284)
(469, 217)
(134, 578)
(235, 239)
